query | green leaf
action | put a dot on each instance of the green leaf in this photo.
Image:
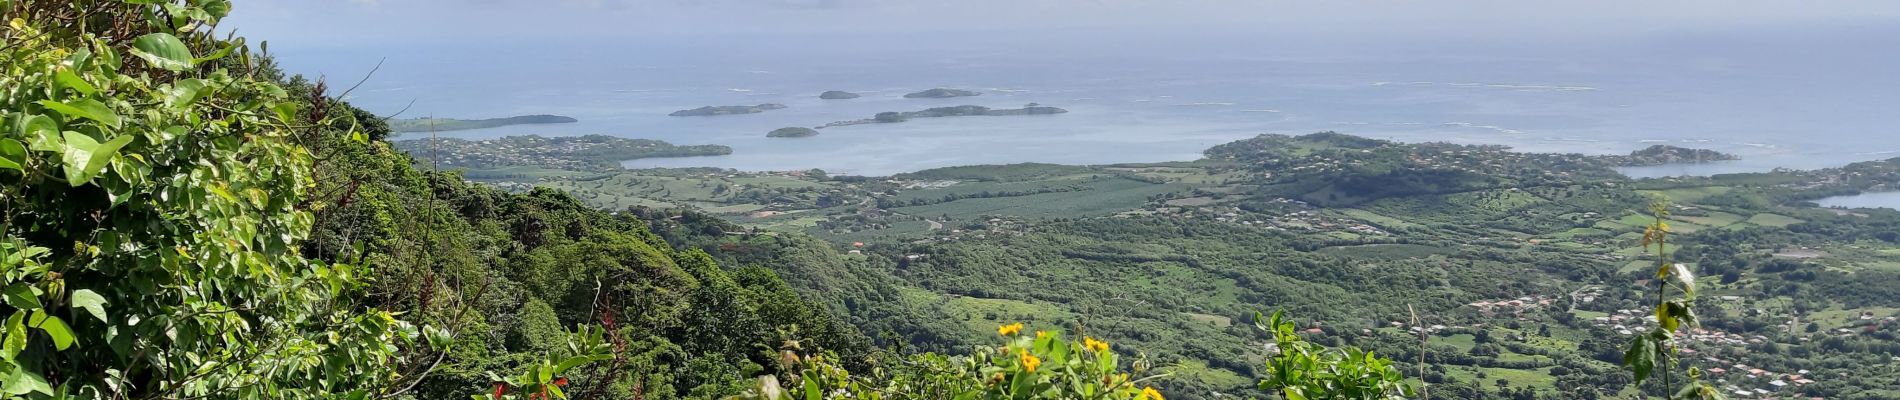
(1641, 357)
(86, 157)
(70, 80)
(21, 296)
(439, 339)
(221, 53)
(163, 50)
(1294, 394)
(41, 132)
(109, 59)
(85, 108)
(55, 328)
(217, 8)
(1668, 322)
(92, 302)
(572, 362)
(184, 92)
(12, 154)
(25, 381)
(15, 341)
(286, 111)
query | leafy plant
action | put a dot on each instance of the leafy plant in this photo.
(544, 378)
(1042, 365)
(1302, 370)
(153, 194)
(1657, 348)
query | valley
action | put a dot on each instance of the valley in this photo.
(1524, 268)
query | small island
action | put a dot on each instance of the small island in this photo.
(708, 111)
(1663, 154)
(956, 111)
(837, 95)
(572, 153)
(451, 124)
(792, 132)
(941, 93)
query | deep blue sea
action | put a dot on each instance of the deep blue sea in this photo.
(1796, 97)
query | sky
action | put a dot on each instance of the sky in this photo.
(338, 22)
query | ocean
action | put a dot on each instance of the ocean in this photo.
(1780, 97)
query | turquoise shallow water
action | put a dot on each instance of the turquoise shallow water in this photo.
(1797, 98)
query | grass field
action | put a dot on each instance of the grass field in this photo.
(1715, 219)
(1773, 220)
(1376, 219)
(1690, 195)
(1104, 197)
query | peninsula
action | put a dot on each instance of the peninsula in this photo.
(572, 153)
(1663, 154)
(451, 124)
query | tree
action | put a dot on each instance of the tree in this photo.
(154, 199)
(1303, 370)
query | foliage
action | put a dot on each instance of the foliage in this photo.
(1302, 370)
(544, 379)
(1041, 365)
(1658, 347)
(155, 198)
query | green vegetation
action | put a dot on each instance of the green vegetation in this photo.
(573, 153)
(451, 124)
(940, 93)
(182, 220)
(837, 95)
(1666, 154)
(207, 227)
(792, 132)
(708, 111)
(1519, 263)
(154, 208)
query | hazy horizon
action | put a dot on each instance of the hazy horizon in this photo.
(425, 21)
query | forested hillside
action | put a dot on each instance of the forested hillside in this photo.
(1529, 273)
(184, 220)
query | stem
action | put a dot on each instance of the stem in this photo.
(1662, 287)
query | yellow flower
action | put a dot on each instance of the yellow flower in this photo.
(1029, 362)
(1094, 345)
(1150, 393)
(1040, 334)
(1008, 330)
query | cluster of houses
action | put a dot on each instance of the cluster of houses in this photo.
(1514, 307)
(1736, 376)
